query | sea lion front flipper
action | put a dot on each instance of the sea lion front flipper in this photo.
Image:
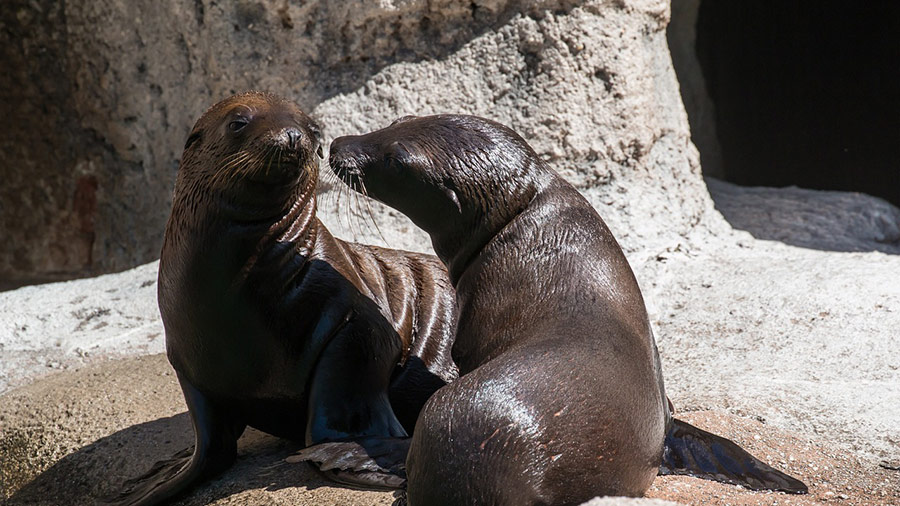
(214, 450)
(370, 462)
(352, 433)
(695, 452)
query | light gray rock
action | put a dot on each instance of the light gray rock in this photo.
(801, 338)
(118, 86)
(59, 326)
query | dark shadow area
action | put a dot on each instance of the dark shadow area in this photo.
(99, 469)
(805, 93)
(815, 219)
(12, 284)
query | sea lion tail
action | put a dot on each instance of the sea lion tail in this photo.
(695, 452)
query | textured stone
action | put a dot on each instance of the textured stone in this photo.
(824, 220)
(104, 94)
(682, 37)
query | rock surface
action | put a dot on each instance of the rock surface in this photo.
(823, 220)
(748, 329)
(119, 86)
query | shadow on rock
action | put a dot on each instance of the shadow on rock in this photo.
(432, 33)
(814, 219)
(98, 470)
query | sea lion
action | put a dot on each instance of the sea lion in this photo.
(560, 396)
(273, 323)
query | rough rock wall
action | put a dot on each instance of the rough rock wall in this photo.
(101, 95)
(591, 88)
(682, 38)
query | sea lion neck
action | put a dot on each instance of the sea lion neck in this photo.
(458, 245)
(297, 228)
(227, 244)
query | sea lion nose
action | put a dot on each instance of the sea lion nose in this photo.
(341, 152)
(291, 137)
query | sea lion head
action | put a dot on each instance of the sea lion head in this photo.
(253, 151)
(460, 178)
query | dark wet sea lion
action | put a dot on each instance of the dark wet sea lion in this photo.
(273, 323)
(560, 396)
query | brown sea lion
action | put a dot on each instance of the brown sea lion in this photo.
(273, 323)
(560, 396)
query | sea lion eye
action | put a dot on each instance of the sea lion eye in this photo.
(237, 124)
(396, 156)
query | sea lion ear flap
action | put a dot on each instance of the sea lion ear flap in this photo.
(317, 135)
(194, 137)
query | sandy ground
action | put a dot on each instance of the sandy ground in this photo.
(110, 421)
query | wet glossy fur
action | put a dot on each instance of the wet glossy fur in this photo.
(561, 395)
(273, 323)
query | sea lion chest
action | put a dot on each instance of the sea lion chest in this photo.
(252, 331)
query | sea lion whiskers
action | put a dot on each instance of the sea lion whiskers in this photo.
(233, 165)
(367, 200)
(239, 163)
(358, 214)
(269, 153)
(228, 163)
(362, 200)
(348, 209)
(266, 159)
(350, 184)
(338, 192)
(278, 153)
(353, 214)
(232, 157)
(334, 184)
(224, 174)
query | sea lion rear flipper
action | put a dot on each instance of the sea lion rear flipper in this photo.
(695, 452)
(370, 462)
(215, 449)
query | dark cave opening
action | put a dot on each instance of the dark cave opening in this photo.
(805, 93)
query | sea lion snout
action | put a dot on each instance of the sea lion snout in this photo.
(289, 138)
(347, 157)
(289, 145)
